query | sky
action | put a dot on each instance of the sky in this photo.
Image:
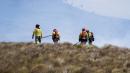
(109, 20)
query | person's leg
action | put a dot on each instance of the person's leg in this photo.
(90, 41)
(36, 39)
(83, 42)
(39, 39)
(55, 40)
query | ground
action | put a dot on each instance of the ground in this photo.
(62, 58)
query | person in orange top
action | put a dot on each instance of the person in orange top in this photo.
(83, 37)
(55, 36)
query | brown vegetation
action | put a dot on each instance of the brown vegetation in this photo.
(62, 58)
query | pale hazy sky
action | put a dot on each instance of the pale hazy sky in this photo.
(114, 8)
(108, 19)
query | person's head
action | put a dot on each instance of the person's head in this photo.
(83, 29)
(87, 30)
(55, 30)
(37, 26)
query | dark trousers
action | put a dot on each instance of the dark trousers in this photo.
(55, 40)
(83, 41)
(90, 40)
(37, 39)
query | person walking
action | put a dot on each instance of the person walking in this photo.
(37, 33)
(55, 36)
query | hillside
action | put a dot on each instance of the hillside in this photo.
(62, 58)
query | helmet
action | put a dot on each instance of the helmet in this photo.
(37, 26)
(54, 30)
(83, 29)
(87, 30)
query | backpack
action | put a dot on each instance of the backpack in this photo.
(55, 35)
(91, 36)
(83, 35)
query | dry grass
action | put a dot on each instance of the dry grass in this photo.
(62, 58)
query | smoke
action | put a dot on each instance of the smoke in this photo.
(112, 8)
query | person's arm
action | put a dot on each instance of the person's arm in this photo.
(41, 34)
(53, 35)
(58, 35)
(92, 36)
(79, 37)
(33, 34)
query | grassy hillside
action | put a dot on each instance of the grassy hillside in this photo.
(62, 58)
